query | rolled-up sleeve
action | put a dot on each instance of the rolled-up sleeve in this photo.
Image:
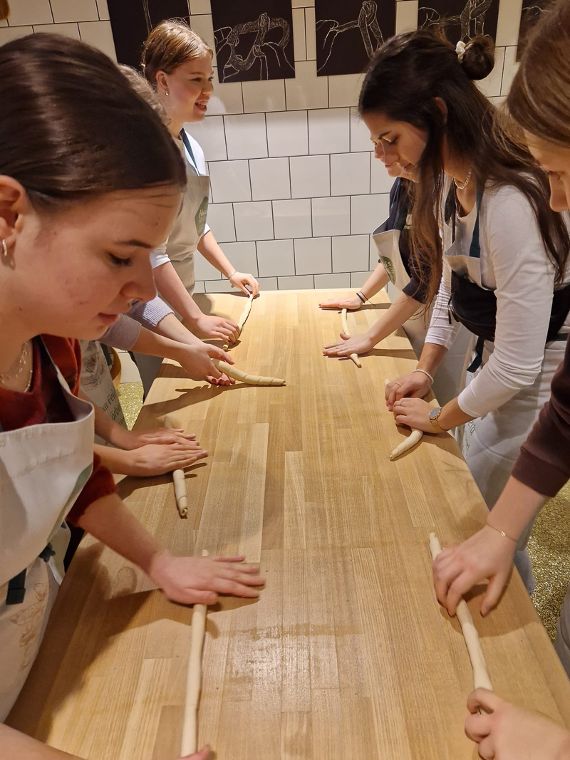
(150, 313)
(524, 288)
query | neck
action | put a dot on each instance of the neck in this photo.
(174, 127)
(14, 333)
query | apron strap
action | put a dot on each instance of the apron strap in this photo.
(478, 358)
(188, 146)
(450, 213)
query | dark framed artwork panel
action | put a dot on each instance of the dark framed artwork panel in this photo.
(254, 40)
(349, 32)
(132, 20)
(463, 19)
(531, 12)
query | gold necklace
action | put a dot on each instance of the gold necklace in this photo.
(18, 367)
(463, 185)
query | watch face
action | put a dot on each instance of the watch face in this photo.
(434, 414)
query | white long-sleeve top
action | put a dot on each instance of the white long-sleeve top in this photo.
(514, 264)
(179, 238)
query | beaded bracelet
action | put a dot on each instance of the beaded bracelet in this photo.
(424, 372)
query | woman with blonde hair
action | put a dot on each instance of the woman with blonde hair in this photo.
(178, 65)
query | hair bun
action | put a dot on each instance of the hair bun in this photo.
(479, 57)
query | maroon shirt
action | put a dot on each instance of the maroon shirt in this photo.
(544, 461)
(44, 402)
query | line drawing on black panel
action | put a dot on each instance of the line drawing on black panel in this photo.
(262, 47)
(471, 20)
(367, 22)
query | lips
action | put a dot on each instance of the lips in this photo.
(202, 105)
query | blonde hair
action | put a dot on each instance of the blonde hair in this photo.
(170, 44)
(539, 100)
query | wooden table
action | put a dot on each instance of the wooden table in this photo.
(347, 654)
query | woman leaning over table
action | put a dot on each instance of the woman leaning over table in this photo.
(79, 214)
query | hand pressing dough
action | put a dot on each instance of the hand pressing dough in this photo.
(408, 443)
(480, 674)
(344, 322)
(237, 374)
(194, 678)
(180, 492)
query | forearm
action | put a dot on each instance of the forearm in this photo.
(171, 327)
(15, 744)
(114, 459)
(515, 508)
(172, 289)
(109, 521)
(431, 357)
(374, 284)
(211, 251)
(105, 427)
(401, 310)
(452, 415)
(153, 344)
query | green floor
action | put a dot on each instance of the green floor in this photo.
(549, 545)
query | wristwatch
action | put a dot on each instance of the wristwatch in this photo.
(434, 419)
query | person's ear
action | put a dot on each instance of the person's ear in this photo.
(162, 83)
(13, 202)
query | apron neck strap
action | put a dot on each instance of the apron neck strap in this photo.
(187, 144)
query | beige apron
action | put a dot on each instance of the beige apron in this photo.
(43, 468)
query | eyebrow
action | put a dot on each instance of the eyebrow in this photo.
(135, 244)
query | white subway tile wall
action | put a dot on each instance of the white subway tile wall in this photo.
(295, 188)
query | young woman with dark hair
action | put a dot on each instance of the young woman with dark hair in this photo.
(499, 264)
(81, 207)
(539, 104)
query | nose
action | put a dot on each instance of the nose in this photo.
(142, 287)
(209, 86)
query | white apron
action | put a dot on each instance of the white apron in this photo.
(491, 444)
(191, 221)
(446, 382)
(43, 468)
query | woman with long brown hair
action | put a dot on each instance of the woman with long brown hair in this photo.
(79, 214)
(539, 103)
(499, 265)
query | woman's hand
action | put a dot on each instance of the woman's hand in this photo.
(358, 344)
(352, 304)
(245, 282)
(506, 732)
(414, 413)
(221, 381)
(217, 328)
(199, 580)
(416, 384)
(134, 439)
(457, 569)
(196, 360)
(159, 458)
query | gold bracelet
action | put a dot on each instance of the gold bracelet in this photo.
(502, 532)
(424, 372)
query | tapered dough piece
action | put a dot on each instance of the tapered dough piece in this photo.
(412, 440)
(245, 313)
(408, 443)
(194, 678)
(245, 377)
(344, 322)
(481, 678)
(180, 492)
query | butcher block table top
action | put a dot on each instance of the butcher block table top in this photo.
(346, 654)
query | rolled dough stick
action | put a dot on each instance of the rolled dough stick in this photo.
(194, 678)
(344, 322)
(480, 674)
(238, 374)
(180, 492)
(245, 313)
(408, 443)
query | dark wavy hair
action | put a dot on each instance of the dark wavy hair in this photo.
(403, 81)
(72, 127)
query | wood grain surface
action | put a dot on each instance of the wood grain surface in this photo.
(346, 655)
